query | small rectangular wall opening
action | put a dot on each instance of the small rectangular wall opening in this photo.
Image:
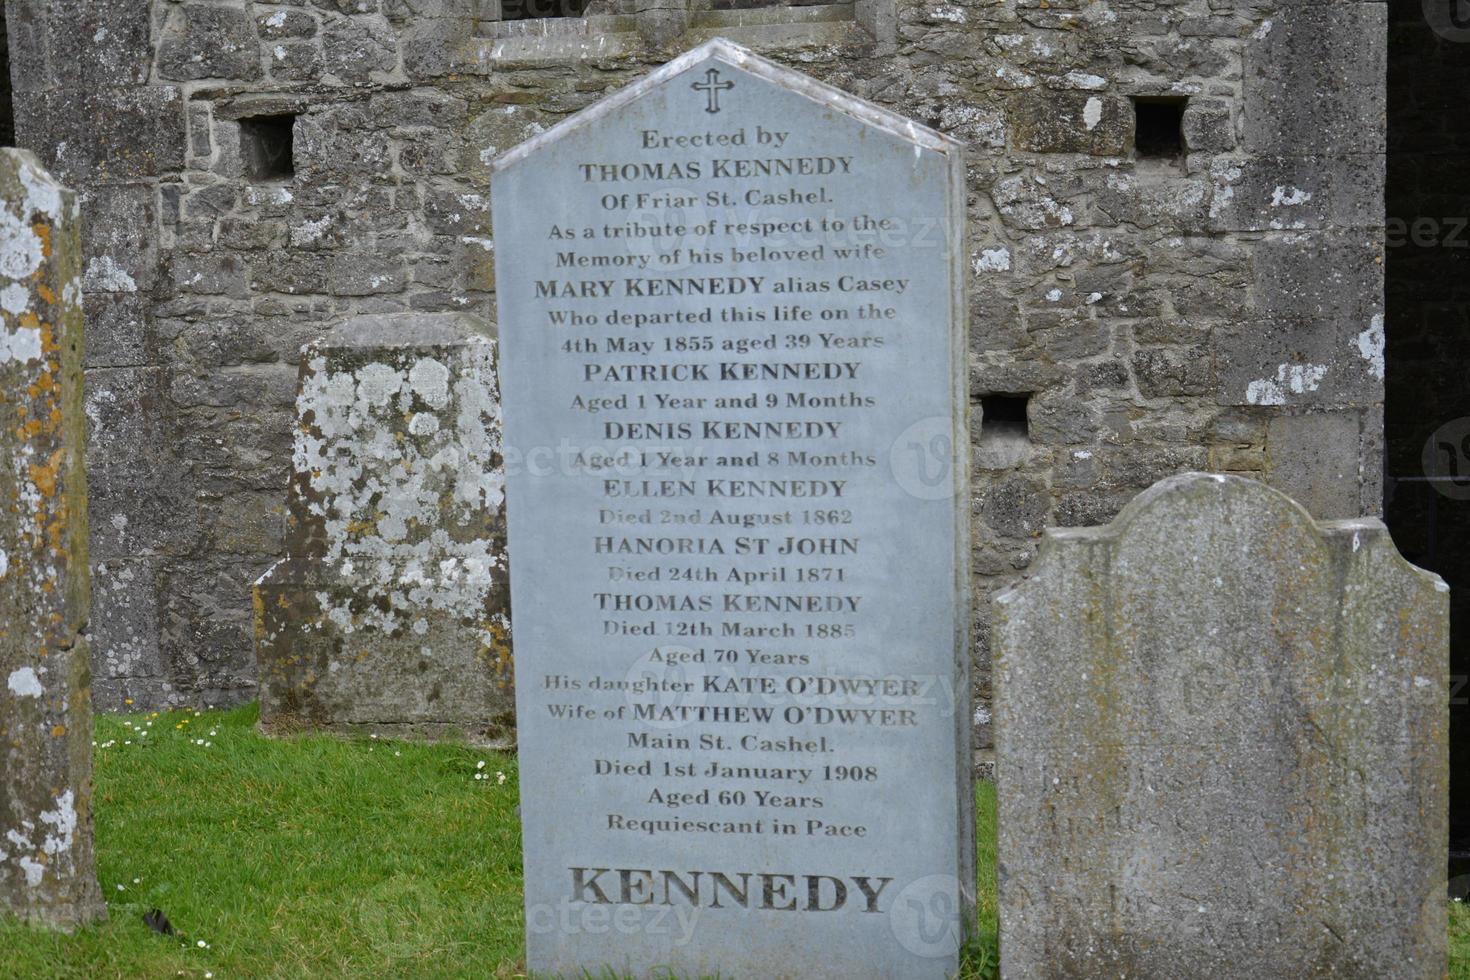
(267, 147)
(1003, 417)
(541, 9)
(1158, 129)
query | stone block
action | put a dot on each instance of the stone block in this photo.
(1324, 275)
(1314, 457)
(1296, 193)
(47, 869)
(1297, 362)
(1070, 122)
(121, 247)
(355, 49)
(125, 630)
(279, 23)
(106, 135)
(1315, 81)
(390, 611)
(204, 41)
(1221, 746)
(117, 330)
(294, 61)
(1208, 126)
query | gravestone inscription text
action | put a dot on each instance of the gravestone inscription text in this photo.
(734, 422)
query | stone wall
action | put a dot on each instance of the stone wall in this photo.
(1217, 310)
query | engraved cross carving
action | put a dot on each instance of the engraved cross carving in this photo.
(714, 87)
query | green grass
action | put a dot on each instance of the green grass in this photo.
(1460, 941)
(324, 857)
(310, 857)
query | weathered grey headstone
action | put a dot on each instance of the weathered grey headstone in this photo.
(389, 613)
(734, 390)
(1221, 746)
(47, 871)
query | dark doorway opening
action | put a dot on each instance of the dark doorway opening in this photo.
(1427, 326)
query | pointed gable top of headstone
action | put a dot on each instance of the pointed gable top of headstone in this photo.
(713, 72)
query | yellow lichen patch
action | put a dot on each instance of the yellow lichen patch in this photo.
(257, 604)
(45, 476)
(499, 649)
(43, 232)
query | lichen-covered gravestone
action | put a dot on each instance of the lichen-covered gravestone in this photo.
(1221, 746)
(389, 613)
(47, 873)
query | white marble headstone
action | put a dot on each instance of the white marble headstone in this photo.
(733, 367)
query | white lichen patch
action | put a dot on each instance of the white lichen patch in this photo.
(1291, 379)
(21, 250)
(993, 260)
(63, 821)
(104, 275)
(1092, 113)
(399, 452)
(24, 683)
(1084, 80)
(310, 231)
(42, 192)
(1289, 197)
(1370, 345)
(34, 870)
(15, 299)
(430, 381)
(22, 344)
